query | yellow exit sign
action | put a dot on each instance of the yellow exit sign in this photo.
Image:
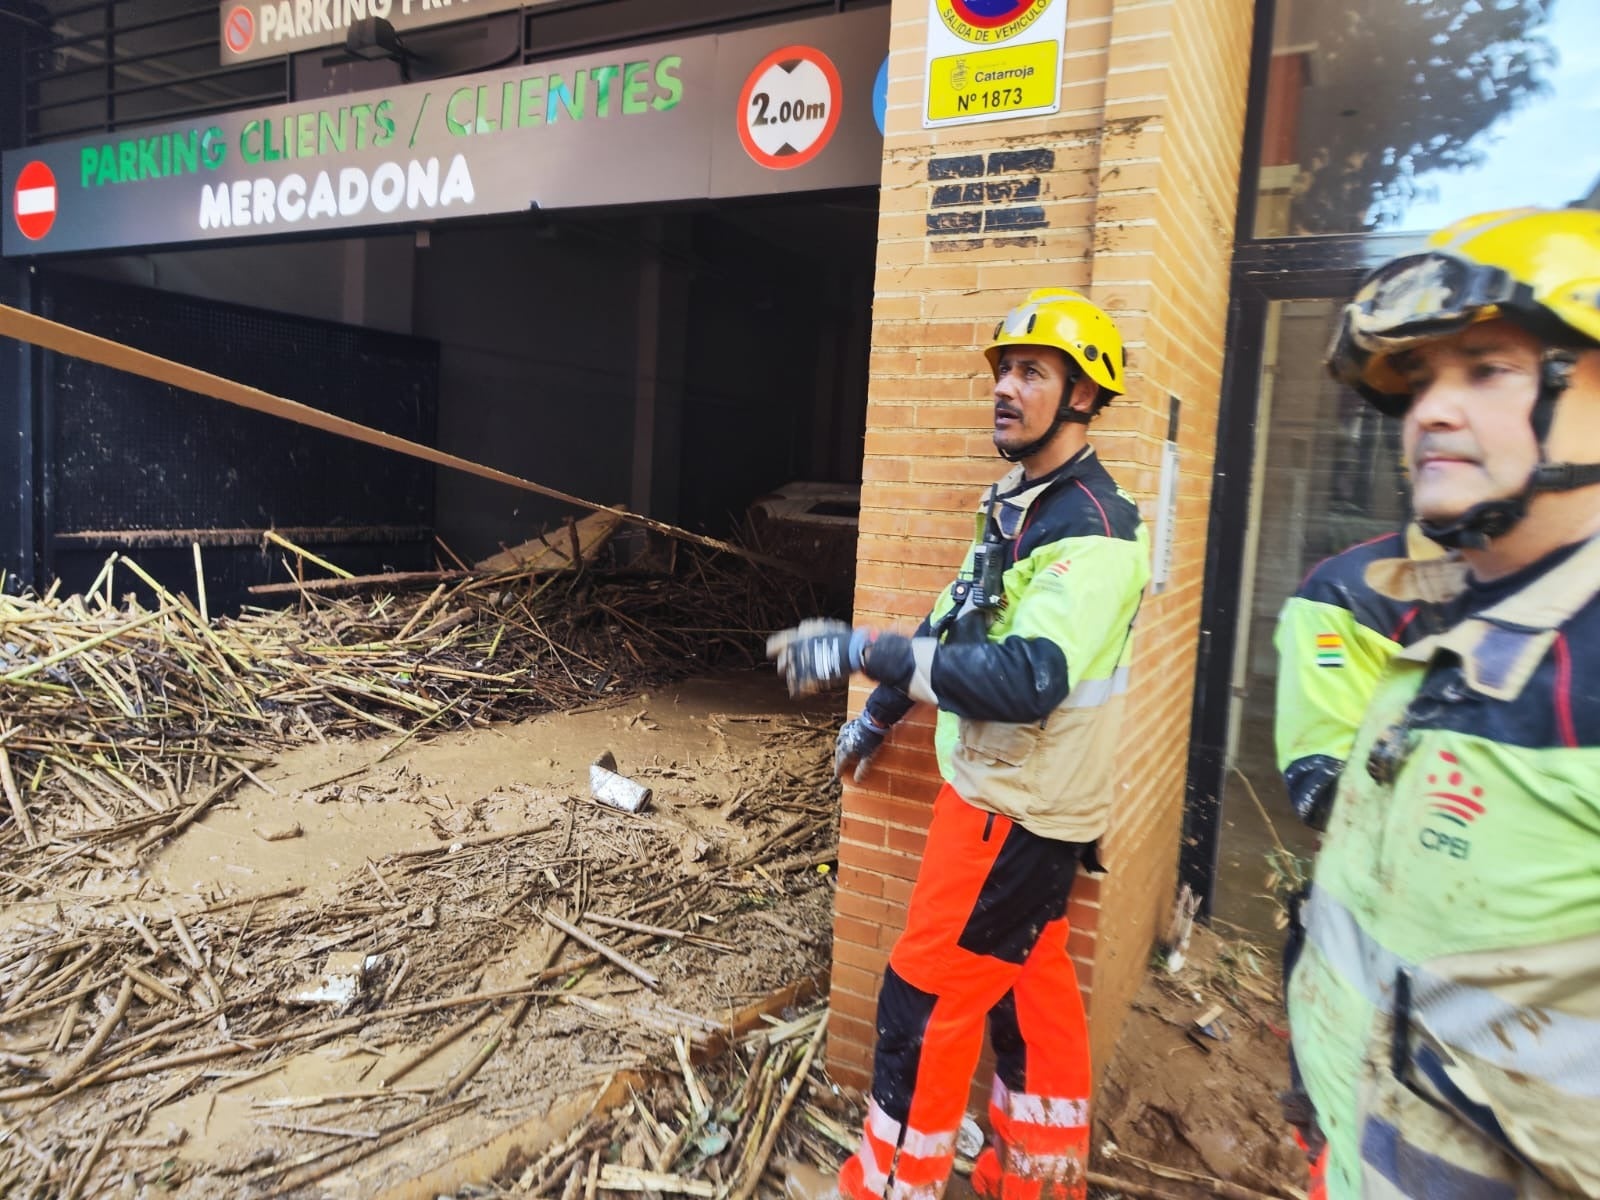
(994, 83)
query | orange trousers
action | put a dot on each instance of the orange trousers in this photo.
(985, 938)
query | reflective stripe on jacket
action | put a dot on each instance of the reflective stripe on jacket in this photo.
(1335, 636)
(1446, 1009)
(1081, 559)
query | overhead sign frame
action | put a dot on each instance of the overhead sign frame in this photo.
(656, 122)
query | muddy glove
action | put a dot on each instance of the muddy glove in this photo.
(815, 656)
(858, 741)
(1297, 1111)
(819, 655)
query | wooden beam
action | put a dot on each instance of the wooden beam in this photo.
(356, 583)
(65, 339)
(177, 538)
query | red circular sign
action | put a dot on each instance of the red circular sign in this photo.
(789, 107)
(33, 203)
(990, 14)
(240, 30)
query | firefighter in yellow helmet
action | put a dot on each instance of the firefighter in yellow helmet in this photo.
(1025, 657)
(1446, 1007)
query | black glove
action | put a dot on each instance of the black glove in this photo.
(858, 741)
(1297, 1111)
(814, 656)
(819, 655)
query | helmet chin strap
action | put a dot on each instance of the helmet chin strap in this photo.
(1482, 523)
(1473, 529)
(1065, 415)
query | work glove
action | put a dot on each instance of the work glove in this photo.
(858, 741)
(818, 655)
(815, 656)
(1297, 1111)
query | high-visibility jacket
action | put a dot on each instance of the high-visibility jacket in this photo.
(1335, 636)
(1446, 1008)
(1030, 694)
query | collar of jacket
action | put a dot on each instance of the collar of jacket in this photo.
(1500, 647)
(1436, 580)
(1013, 496)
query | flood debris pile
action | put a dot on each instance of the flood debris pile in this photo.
(489, 949)
(1188, 1105)
(731, 1128)
(508, 967)
(112, 713)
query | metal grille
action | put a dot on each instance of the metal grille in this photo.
(101, 66)
(126, 453)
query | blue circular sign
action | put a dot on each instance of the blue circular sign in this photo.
(880, 95)
(984, 12)
(983, 20)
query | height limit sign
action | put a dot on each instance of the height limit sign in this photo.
(989, 60)
(789, 107)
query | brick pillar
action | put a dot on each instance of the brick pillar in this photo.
(1128, 195)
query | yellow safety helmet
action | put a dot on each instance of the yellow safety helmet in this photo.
(1537, 267)
(1074, 325)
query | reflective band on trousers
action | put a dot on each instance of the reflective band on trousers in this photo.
(1559, 1048)
(1092, 693)
(884, 1127)
(888, 1134)
(928, 1145)
(1050, 1111)
(1064, 1168)
(882, 1136)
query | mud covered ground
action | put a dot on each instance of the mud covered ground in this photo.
(425, 877)
(1196, 1103)
(428, 869)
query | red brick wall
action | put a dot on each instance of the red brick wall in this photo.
(1127, 194)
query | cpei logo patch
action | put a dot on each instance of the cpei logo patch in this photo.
(1456, 804)
(1454, 800)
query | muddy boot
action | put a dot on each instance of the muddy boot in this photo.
(802, 1181)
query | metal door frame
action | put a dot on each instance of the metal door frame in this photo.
(1264, 270)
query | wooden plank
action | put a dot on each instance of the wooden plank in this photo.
(554, 552)
(356, 583)
(65, 339)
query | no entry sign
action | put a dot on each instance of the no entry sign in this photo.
(33, 203)
(239, 30)
(789, 107)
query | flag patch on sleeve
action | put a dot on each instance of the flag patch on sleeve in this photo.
(1330, 650)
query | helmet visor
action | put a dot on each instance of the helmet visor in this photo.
(1423, 296)
(1411, 300)
(1408, 301)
